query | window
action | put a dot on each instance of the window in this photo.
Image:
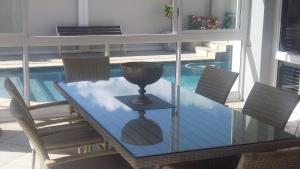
(288, 77)
(290, 26)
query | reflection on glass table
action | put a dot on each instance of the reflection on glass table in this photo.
(196, 127)
(141, 131)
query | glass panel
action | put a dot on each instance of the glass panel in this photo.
(146, 17)
(210, 14)
(45, 68)
(196, 55)
(11, 67)
(46, 65)
(11, 16)
(196, 122)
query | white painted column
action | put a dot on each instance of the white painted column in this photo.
(25, 60)
(259, 59)
(83, 18)
(175, 16)
(26, 75)
(83, 12)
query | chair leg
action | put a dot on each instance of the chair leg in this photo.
(33, 159)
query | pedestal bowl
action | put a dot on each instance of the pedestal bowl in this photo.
(142, 74)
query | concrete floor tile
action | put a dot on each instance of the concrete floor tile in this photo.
(9, 130)
(22, 162)
(19, 139)
(10, 152)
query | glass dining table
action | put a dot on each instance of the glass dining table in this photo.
(186, 126)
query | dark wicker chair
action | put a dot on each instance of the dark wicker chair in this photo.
(68, 138)
(216, 84)
(89, 68)
(14, 93)
(229, 162)
(288, 159)
(270, 105)
(40, 145)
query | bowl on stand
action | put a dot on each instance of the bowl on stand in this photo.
(142, 74)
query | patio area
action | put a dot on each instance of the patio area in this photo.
(138, 84)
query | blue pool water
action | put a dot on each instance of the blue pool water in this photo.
(42, 88)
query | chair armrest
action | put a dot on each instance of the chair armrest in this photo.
(45, 105)
(62, 160)
(57, 121)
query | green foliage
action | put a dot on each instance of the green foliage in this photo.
(229, 21)
(168, 9)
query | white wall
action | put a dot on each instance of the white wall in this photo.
(45, 15)
(135, 16)
(259, 51)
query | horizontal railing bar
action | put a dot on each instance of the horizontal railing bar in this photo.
(117, 39)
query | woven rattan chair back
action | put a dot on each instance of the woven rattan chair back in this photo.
(216, 84)
(86, 68)
(19, 113)
(270, 105)
(288, 159)
(14, 93)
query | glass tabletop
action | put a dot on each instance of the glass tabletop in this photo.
(194, 123)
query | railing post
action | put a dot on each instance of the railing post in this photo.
(26, 75)
(106, 50)
(178, 63)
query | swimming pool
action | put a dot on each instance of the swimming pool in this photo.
(42, 88)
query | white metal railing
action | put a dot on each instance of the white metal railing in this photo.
(107, 40)
(118, 39)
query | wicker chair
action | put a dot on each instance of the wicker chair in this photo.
(288, 159)
(44, 127)
(56, 141)
(270, 105)
(106, 158)
(90, 68)
(229, 162)
(216, 84)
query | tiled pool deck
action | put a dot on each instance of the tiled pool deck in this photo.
(115, 58)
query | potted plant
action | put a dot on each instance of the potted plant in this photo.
(203, 23)
(229, 21)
